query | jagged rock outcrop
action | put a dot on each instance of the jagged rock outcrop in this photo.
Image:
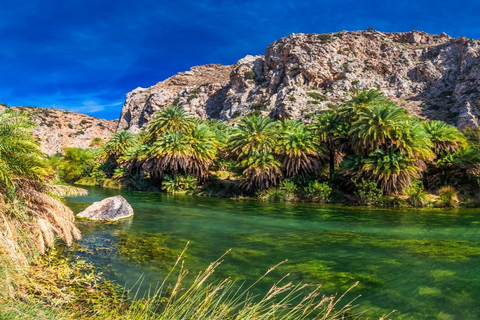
(109, 209)
(433, 76)
(57, 129)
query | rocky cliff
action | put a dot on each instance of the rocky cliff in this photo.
(433, 76)
(57, 129)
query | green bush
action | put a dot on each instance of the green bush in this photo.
(273, 194)
(317, 96)
(416, 194)
(325, 38)
(179, 183)
(367, 191)
(318, 192)
(448, 197)
(249, 75)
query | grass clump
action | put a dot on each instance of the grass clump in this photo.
(448, 197)
(225, 299)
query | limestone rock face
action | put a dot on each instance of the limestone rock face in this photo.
(432, 76)
(57, 129)
(109, 209)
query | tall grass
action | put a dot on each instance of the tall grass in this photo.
(61, 289)
(225, 299)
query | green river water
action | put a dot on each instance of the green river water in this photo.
(423, 263)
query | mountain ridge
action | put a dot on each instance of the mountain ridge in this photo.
(56, 129)
(432, 76)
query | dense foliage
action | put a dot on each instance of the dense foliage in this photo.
(368, 141)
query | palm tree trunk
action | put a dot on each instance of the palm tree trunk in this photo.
(331, 160)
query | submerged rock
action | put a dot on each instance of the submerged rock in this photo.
(109, 209)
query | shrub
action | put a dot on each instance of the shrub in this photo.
(319, 192)
(250, 75)
(179, 183)
(273, 194)
(416, 194)
(317, 96)
(448, 197)
(367, 191)
(324, 38)
(258, 106)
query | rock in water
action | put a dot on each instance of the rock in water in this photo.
(109, 209)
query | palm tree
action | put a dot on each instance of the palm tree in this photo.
(378, 126)
(133, 159)
(253, 134)
(40, 218)
(359, 100)
(179, 152)
(253, 144)
(205, 147)
(392, 170)
(170, 119)
(450, 168)
(261, 171)
(444, 137)
(20, 157)
(331, 129)
(297, 148)
(414, 140)
(119, 143)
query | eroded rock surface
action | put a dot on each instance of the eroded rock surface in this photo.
(432, 76)
(57, 129)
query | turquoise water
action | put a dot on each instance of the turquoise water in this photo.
(423, 263)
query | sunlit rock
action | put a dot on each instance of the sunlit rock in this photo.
(109, 209)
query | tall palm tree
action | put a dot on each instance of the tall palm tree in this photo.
(170, 119)
(297, 147)
(185, 153)
(119, 143)
(253, 144)
(254, 133)
(378, 126)
(391, 169)
(331, 129)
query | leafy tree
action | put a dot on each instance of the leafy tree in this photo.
(298, 150)
(77, 163)
(119, 143)
(391, 169)
(444, 136)
(170, 119)
(253, 144)
(331, 129)
(20, 157)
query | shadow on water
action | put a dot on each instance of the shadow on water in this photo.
(423, 263)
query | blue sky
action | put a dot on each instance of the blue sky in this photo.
(85, 55)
